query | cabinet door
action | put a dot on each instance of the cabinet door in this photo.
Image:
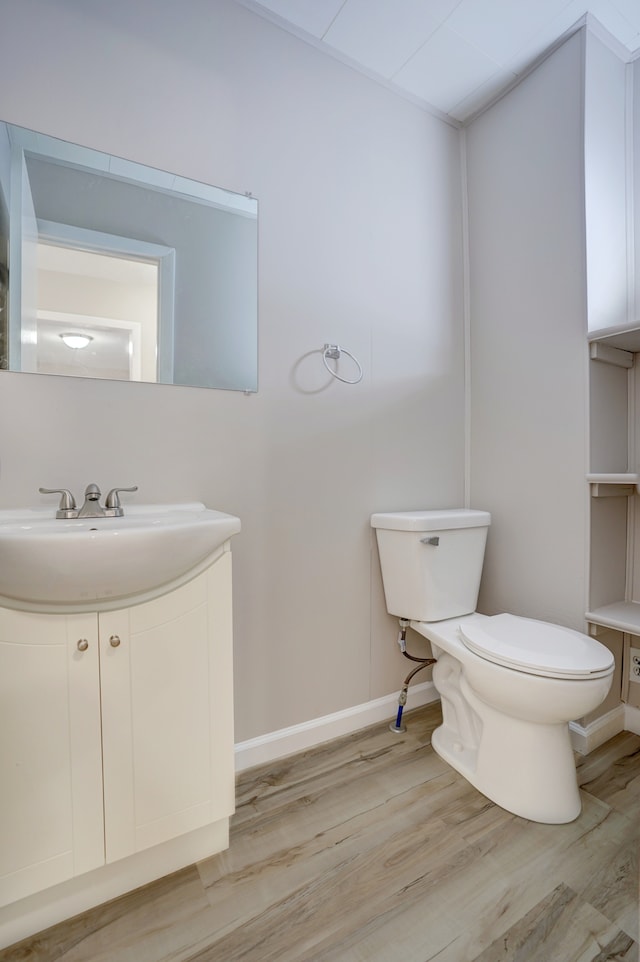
(167, 714)
(51, 822)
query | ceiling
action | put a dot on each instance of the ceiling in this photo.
(451, 56)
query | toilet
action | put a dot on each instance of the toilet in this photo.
(509, 686)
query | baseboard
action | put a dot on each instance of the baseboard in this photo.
(632, 719)
(297, 738)
(585, 738)
(286, 741)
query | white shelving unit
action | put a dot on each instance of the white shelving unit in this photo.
(613, 486)
(623, 338)
(621, 615)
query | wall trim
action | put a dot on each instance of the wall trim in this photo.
(585, 738)
(622, 718)
(632, 719)
(332, 52)
(287, 741)
(466, 309)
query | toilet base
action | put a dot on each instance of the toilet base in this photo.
(507, 731)
(527, 769)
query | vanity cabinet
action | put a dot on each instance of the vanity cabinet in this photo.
(116, 730)
(50, 755)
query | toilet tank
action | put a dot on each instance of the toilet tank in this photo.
(431, 561)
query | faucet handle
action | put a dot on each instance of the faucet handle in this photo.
(67, 508)
(113, 498)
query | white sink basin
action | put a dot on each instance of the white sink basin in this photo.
(48, 564)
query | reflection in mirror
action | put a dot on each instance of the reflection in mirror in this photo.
(157, 273)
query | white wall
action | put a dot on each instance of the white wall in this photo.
(634, 68)
(360, 216)
(606, 185)
(528, 342)
(635, 165)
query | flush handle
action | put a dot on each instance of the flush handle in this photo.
(434, 541)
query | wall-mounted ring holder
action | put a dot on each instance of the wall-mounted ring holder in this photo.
(333, 352)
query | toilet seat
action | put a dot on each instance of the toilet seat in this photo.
(536, 647)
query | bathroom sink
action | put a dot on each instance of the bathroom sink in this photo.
(79, 564)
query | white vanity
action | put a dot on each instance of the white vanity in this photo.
(116, 710)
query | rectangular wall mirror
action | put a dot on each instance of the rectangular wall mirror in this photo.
(112, 269)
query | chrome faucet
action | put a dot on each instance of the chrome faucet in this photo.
(91, 507)
(67, 507)
(112, 506)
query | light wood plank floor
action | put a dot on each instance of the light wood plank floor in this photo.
(371, 849)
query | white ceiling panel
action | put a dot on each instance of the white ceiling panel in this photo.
(382, 36)
(314, 16)
(614, 21)
(482, 95)
(455, 56)
(546, 36)
(629, 9)
(445, 69)
(498, 27)
(557, 27)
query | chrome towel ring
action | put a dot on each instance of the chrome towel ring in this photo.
(333, 352)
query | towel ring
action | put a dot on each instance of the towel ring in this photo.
(333, 352)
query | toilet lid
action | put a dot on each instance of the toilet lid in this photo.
(536, 647)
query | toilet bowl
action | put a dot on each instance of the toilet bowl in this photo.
(509, 685)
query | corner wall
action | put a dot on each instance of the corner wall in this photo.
(528, 341)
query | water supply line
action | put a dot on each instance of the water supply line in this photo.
(397, 726)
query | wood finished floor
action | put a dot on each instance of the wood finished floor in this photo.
(371, 849)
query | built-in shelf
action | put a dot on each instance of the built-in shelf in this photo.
(622, 615)
(613, 485)
(622, 477)
(622, 338)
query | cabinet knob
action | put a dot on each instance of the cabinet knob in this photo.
(83, 644)
(114, 641)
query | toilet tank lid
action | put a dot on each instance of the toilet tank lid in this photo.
(431, 520)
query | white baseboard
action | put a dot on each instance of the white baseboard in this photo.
(585, 738)
(286, 741)
(622, 718)
(297, 738)
(632, 719)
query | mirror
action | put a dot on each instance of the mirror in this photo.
(112, 269)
